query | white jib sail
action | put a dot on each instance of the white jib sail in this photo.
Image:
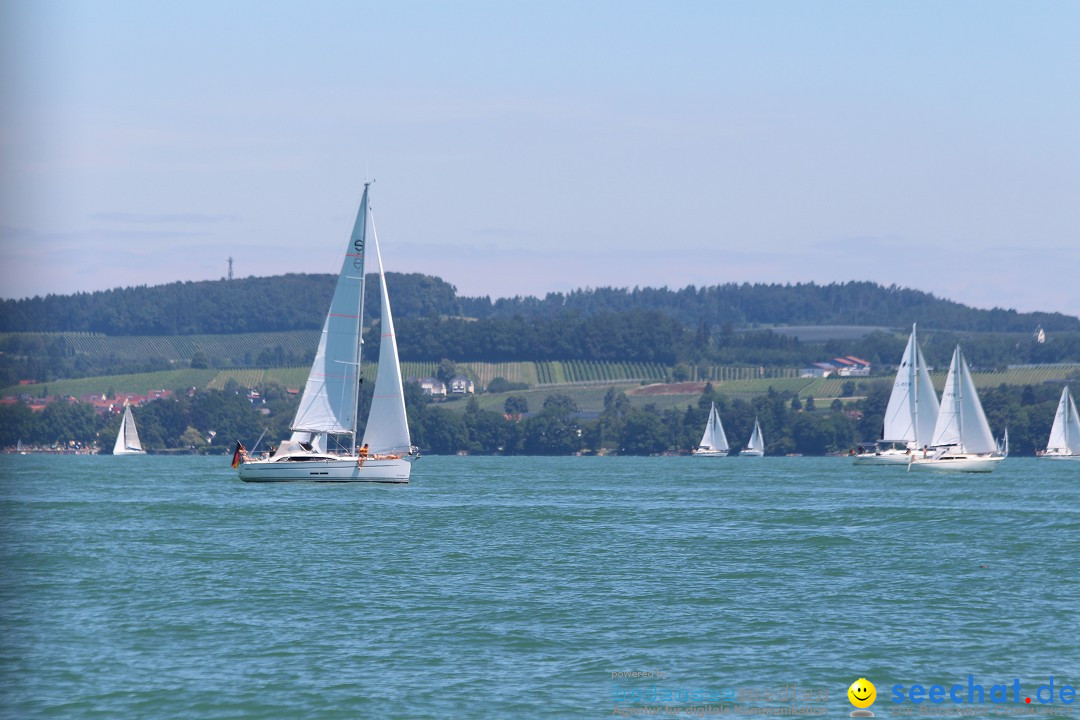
(387, 428)
(1065, 433)
(328, 404)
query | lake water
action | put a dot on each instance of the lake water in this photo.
(162, 587)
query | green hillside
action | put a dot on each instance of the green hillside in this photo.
(586, 382)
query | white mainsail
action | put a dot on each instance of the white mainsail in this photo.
(714, 437)
(913, 404)
(757, 442)
(387, 428)
(961, 421)
(328, 404)
(127, 439)
(1065, 433)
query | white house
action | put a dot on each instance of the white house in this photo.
(462, 385)
(433, 386)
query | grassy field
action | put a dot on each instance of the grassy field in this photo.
(142, 383)
(586, 382)
(180, 348)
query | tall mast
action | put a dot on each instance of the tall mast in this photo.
(358, 263)
(1071, 410)
(915, 381)
(960, 397)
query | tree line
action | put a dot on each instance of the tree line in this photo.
(299, 301)
(790, 424)
(212, 420)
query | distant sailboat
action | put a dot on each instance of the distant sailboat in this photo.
(328, 407)
(1064, 442)
(910, 414)
(714, 442)
(756, 446)
(962, 438)
(127, 440)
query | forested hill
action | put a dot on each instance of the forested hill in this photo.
(850, 303)
(299, 301)
(218, 307)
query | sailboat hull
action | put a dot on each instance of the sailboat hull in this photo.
(126, 451)
(326, 470)
(709, 453)
(751, 453)
(885, 457)
(1050, 455)
(957, 462)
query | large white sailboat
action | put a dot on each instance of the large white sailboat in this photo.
(328, 407)
(962, 439)
(910, 414)
(127, 440)
(756, 446)
(714, 442)
(1064, 442)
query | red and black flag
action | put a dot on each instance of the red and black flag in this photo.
(238, 455)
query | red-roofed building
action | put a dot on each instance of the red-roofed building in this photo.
(851, 366)
(848, 366)
(819, 370)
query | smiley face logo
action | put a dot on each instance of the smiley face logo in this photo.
(862, 693)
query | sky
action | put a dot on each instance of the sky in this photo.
(521, 148)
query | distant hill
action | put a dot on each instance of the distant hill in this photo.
(746, 305)
(217, 307)
(298, 302)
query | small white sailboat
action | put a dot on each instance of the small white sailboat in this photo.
(328, 407)
(714, 442)
(127, 440)
(910, 414)
(1064, 442)
(756, 446)
(962, 438)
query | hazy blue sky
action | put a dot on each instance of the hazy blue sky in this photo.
(521, 148)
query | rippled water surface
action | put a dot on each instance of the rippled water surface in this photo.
(515, 587)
